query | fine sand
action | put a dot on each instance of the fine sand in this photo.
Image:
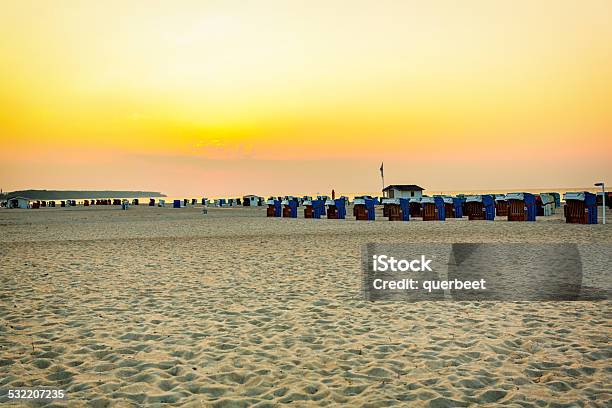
(231, 309)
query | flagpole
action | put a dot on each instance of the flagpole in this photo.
(382, 176)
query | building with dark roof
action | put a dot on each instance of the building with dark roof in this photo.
(403, 191)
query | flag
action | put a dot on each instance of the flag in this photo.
(382, 169)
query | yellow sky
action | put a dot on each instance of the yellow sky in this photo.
(356, 82)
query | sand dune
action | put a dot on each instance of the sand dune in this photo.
(231, 309)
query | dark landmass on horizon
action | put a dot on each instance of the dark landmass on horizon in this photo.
(78, 194)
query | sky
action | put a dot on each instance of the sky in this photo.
(209, 98)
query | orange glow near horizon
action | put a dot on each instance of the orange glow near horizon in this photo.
(221, 96)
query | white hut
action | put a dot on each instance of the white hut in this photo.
(411, 191)
(19, 202)
(251, 200)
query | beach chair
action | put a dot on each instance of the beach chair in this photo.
(336, 209)
(580, 208)
(397, 209)
(474, 208)
(433, 209)
(274, 208)
(314, 208)
(359, 209)
(318, 208)
(458, 203)
(449, 207)
(308, 209)
(539, 206)
(521, 207)
(289, 208)
(556, 197)
(480, 207)
(488, 201)
(501, 205)
(364, 210)
(548, 204)
(429, 209)
(416, 209)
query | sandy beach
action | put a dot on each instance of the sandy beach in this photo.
(232, 309)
